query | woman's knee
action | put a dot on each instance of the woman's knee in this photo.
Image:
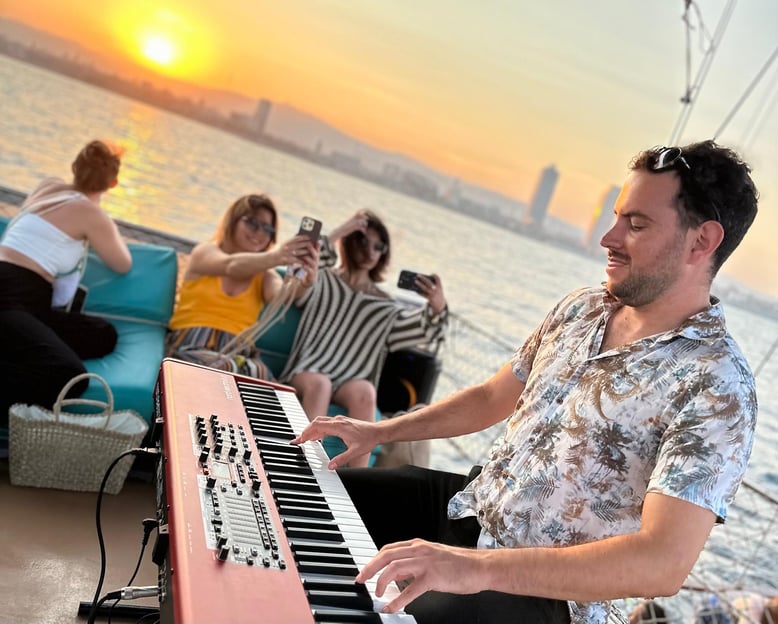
(357, 394)
(312, 383)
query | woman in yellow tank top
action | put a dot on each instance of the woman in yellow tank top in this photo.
(227, 283)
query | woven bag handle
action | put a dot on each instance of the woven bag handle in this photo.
(106, 406)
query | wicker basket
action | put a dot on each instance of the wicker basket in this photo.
(70, 451)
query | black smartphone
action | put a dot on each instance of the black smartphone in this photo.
(78, 301)
(310, 227)
(407, 280)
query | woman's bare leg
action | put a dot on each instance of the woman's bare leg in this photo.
(358, 397)
(315, 391)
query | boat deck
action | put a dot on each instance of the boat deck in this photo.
(51, 555)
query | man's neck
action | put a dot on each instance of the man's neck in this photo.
(629, 324)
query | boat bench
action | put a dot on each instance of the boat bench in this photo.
(139, 305)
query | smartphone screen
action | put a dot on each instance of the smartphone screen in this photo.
(407, 280)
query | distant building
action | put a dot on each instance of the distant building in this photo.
(259, 121)
(602, 218)
(452, 194)
(345, 162)
(538, 207)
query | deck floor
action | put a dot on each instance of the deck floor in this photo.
(50, 558)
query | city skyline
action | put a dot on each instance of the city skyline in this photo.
(489, 94)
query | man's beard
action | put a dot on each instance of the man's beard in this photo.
(642, 288)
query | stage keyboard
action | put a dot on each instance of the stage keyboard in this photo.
(258, 530)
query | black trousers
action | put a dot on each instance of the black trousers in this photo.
(41, 349)
(409, 502)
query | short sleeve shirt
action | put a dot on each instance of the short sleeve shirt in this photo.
(593, 432)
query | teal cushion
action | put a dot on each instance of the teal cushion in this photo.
(3, 222)
(131, 369)
(276, 343)
(146, 293)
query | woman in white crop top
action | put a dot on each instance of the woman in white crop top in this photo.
(43, 346)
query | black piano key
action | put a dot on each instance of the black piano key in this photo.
(304, 512)
(336, 615)
(342, 599)
(314, 534)
(283, 472)
(301, 497)
(290, 484)
(270, 429)
(348, 570)
(297, 469)
(322, 557)
(319, 504)
(284, 449)
(320, 548)
(310, 523)
(266, 415)
(273, 461)
(334, 584)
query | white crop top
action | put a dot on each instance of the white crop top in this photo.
(54, 250)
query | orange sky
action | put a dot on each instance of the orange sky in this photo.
(490, 91)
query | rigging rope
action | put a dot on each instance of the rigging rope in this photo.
(761, 113)
(746, 93)
(693, 91)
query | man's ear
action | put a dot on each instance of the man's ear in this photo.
(114, 183)
(709, 237)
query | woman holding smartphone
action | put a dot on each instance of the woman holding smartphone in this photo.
(227, 283)
(349, 323)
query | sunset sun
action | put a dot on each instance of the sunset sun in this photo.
(171, 43)
(159, 50)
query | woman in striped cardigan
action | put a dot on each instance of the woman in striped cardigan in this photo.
(348, 323)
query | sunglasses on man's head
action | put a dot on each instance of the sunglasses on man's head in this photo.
(364, 242)
(672, 158)
(256, 226)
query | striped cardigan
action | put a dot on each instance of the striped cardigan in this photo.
(345, 334)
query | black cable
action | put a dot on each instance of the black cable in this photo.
(97, 601)
(149, 524)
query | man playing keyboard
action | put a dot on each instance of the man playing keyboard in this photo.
(631, 414)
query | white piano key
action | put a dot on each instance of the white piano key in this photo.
(357, 539)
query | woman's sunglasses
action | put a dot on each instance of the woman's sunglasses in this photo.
(256, 226)
(672, 158)
(364, 242)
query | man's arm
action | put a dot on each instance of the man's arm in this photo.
(654, 561)
(470, 410)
